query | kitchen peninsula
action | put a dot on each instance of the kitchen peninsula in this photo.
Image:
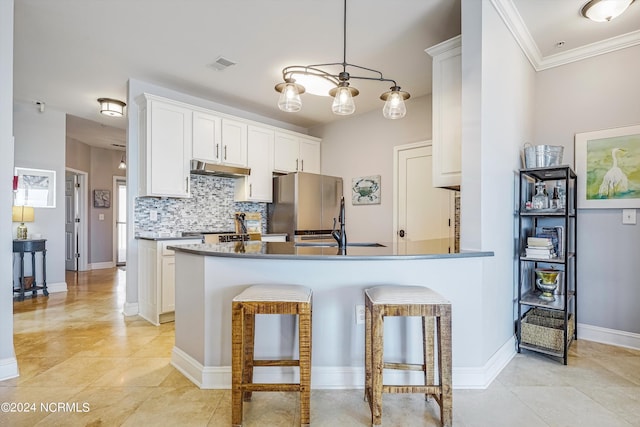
(208, 276)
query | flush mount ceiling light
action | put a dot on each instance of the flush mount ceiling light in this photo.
(605, 10)
(111, 107)
(290, 90)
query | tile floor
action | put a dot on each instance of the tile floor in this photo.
(77, 349)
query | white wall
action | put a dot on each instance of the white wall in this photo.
(8, 362)
(363, 145)
(597, 93)
(40, 144)
(508, 91)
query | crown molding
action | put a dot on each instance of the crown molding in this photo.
(514, 22)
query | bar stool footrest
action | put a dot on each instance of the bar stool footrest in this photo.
(285, 362)
(404, 366)
(270, 387)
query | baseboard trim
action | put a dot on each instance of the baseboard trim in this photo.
(340, 377)
(9, 368)
(609, 336)
(130, 309)
(101, 265)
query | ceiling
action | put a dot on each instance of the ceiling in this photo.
(69, 53)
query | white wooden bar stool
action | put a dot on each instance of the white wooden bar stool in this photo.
(268, 299)
(383, 301)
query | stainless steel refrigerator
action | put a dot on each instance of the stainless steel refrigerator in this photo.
(304, 205)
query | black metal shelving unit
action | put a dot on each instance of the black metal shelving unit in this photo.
(564, 309)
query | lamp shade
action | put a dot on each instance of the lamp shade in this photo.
(111, 107)
(23, 214)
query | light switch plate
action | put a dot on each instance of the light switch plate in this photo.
(153, 215)
(628, 216)
(101, 217)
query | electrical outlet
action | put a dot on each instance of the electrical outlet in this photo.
(359, 314)
(628, 216)
(153, 215)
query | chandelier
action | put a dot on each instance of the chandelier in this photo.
(341, 91)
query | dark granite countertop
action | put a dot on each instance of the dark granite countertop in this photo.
(424, 249)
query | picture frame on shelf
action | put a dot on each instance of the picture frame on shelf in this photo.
(608, 163)
(101, 198)
(35, 187)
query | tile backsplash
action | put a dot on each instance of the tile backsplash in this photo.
(210, 208)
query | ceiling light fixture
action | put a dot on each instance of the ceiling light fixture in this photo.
(343, 104)
(605, 10)
(111, 107)
(122, 164)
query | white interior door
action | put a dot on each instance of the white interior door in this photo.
(422, 211)
(70, 221)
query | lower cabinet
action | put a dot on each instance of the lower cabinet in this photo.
(156, 279)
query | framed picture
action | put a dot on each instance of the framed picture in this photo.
(608, 168)
(365, 190)
(101, 198)
(35, 187)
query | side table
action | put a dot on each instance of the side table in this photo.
(25, 246)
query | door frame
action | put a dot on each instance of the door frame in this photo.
(83, 206)
(396, 190)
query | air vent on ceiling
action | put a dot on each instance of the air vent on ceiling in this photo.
(221, 63)
(119, 145)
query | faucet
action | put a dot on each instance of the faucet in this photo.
(340, 235)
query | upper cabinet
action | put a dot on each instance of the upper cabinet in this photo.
(234, 143)
(207, 137)
(447, 113)
(165, 147)
(258, 186)
(294, 153)
(173, 133)
(219, 140)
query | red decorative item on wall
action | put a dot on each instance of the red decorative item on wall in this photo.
(15, 183)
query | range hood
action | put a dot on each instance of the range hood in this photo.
(203, 168)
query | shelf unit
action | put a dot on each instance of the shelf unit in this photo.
(562, 312)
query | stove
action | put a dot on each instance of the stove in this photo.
(219, 236)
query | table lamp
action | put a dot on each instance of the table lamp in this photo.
(22, 214)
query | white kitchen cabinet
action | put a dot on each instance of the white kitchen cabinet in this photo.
(447, 113)
(165, 147)
(294, 153)
(156, 279)
(207, 137)
(234, 143)
(258, 186)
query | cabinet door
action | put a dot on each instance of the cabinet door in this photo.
(258, 187)
(447, 113)
(207, 136)
(168, 291)
(168, 142)
(309, 156)
(285, 153)
(234, 143)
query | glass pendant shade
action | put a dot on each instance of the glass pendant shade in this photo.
(343, 104)
(605, 10)
(394, 107)
(289, 100)
(122, 164)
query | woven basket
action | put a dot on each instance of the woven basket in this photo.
(544, 328)
(28, 282)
